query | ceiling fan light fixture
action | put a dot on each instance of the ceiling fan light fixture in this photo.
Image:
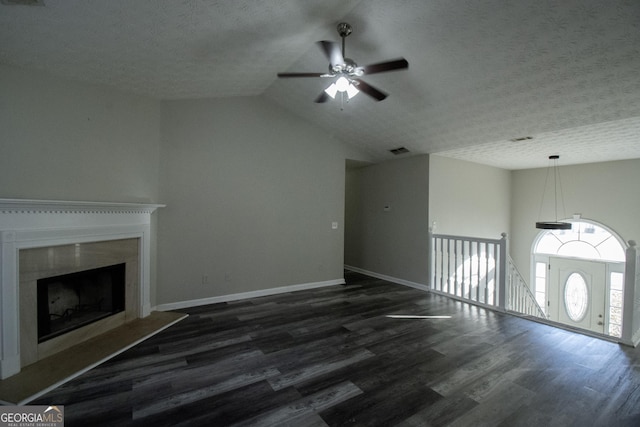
(347, 72)
(342, 85)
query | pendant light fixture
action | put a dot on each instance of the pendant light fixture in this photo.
(553, 225)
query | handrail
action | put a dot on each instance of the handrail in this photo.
(466, 238)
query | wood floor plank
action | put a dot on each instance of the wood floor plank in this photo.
(198, 393)
(303, 410)
(317, 369)
(495, 408)
(61, 367)
(331, 357)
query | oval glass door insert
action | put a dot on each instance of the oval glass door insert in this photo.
(576, 297)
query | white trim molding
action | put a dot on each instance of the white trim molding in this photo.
(22, 206)
(26, 224)
(404, 282)
(245, 295)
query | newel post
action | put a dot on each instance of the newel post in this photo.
(631, 281)
(431, 255)
(502, 273)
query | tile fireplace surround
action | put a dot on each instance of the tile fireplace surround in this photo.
(26, 225)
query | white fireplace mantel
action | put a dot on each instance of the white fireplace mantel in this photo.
(28, 224)
(62, 206)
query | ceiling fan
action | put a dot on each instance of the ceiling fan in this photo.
(348, 73)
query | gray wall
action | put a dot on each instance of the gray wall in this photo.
(251, 195)
(73, 141)
(468, 199)
(389, 242)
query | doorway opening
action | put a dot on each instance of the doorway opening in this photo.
(578, 276)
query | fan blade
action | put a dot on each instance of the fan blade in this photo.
(332, 52)
(370, 90)
(301, 74)
(323, 97)
(381, 67)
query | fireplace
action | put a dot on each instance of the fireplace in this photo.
(69, 274)
(41, 241)
(71, 301)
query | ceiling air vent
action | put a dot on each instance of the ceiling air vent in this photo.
(522, 138)
(399, 150)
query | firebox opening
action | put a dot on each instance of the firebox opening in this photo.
(70, 301)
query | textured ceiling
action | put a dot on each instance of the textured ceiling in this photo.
(481, 72)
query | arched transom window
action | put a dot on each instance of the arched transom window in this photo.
(584, 240)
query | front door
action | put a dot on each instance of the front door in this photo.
(577, 293)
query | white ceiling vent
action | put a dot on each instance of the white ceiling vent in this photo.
(23, 2)
(399, 150)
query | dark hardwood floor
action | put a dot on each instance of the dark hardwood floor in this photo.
(330, 356)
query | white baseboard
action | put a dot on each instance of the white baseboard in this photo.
(419, 286)
(246, 295)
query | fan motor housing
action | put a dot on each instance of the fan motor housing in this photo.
(348, 67)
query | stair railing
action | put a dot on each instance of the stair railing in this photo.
(479, 271)
(520, 299)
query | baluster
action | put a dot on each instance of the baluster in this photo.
(478, 271)
(515, 299)
(454, 272)
(486, 273)
(441, 263)
(463, 284)
(520, 297)
(436, 257)
(496, 278)
(448, 265)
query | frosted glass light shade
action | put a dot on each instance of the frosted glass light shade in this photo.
(331, 90)
(342, 85)
(352, 91)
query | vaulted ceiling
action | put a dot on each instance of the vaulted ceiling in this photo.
(482, 73)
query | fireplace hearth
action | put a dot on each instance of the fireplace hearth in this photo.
(71, 301)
